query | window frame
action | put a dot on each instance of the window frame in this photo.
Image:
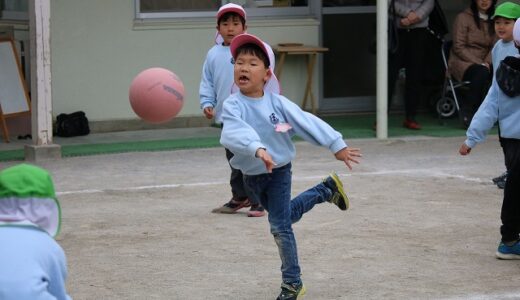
(13, 15)
(256, 13)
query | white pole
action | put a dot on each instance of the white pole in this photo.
(382, 70)
(42, 147)
(41, 111)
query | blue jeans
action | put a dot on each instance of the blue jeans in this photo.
(274, 192)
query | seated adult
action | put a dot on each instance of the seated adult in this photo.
(470, 57)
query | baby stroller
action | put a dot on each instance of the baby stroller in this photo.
(448, 104)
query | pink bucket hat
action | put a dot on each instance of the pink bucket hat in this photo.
(230, 7)
(272, 85)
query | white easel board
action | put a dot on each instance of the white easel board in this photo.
(14, 97)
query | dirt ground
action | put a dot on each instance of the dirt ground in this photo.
(423, 224)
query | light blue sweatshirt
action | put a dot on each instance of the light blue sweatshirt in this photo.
(216, 80)
(497, 106)
(32, 265)
(249, 124)
(500, 51)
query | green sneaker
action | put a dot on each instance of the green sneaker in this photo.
(292, 292)
(338, 194)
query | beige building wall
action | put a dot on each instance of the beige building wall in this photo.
(98, 48)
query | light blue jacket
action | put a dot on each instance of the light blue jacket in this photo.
(250, 123)
(216, 80)
(500, 51)
(32, 265)
(497, 106)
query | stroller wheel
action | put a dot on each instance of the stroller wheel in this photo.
(446, 107)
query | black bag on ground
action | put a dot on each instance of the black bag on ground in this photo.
(74, 124)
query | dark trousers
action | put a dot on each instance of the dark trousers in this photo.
(510, 214)
(236, 180)
(409, 55)
(479, 78)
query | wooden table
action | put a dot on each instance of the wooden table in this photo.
(311, 53)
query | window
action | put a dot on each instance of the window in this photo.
(154, 9)
(14, 10)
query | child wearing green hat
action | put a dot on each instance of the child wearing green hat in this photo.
(504, 19)
(32, 264)
(502, 105)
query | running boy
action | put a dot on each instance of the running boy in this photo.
(215, 86)
(32, 264)
(504, 20)
(258, 129)
(502, 104)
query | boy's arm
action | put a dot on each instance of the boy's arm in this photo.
(316, 131)
(207, 95)
(484, 119)
(311, 128)
(237, 135)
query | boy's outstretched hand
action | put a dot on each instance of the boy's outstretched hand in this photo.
(266, 158)
(464, 149)
(348, 155)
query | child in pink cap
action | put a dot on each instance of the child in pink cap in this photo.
(259, 126)
(216, 85)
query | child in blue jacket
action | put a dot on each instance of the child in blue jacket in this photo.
(258, 130)
(32, 264)
(216, 85)
(504, 20)
(502, 104)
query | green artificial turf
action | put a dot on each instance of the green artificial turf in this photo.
(351, 126)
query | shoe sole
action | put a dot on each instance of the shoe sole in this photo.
(255, 213)
(302, 293)
(339, 185)
(507, 256)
